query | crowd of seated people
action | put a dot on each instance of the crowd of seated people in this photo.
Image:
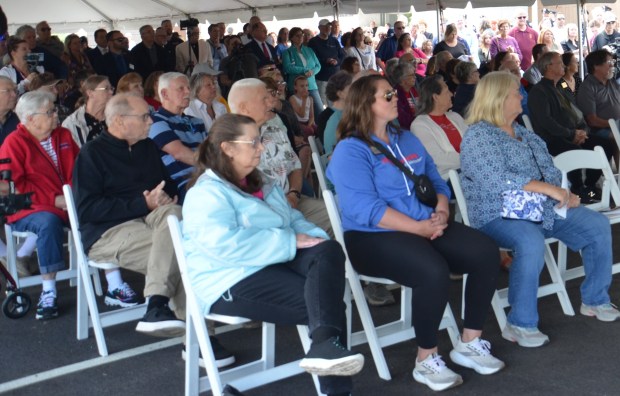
(367, 95)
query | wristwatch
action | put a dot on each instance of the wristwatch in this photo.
(297, 193)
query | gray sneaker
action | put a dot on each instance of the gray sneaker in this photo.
(433, 372)
(476, 355)
(378, 295)
(605, 312)
(529, 337)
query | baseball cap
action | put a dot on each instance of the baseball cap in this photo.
(324, 22)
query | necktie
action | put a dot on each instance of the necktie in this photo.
(266, 51)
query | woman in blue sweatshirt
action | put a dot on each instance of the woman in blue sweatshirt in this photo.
(389, 233)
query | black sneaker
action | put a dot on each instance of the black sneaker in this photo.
(47, 307)
(161, 322)
(331, 358)
(124, 297)
(231, 391)
(223, 357)
(590, 195)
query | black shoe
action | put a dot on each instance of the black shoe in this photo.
(331, 358)
(161, 322)
(223, 357)
(231, 391)
(590, 195)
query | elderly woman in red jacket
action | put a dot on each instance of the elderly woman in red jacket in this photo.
(42, 155)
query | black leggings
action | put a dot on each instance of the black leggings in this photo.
(425, 266)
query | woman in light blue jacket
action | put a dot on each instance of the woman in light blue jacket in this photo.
(300, 60)
(250, 254)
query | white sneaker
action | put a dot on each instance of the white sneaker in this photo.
(529, 337)
(433, 372)
(476, 355)
(605, 312)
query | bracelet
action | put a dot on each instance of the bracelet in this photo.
(297, 193)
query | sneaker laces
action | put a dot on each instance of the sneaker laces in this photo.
(482, 347)
(435, 363)
(125, 291)
(336, 342)
(47, 299)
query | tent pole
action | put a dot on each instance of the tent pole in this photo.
(107, 18)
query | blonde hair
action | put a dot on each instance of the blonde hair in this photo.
(488, 102)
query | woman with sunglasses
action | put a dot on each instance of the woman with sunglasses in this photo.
(250, 254)
(88, 121)
(390, 233)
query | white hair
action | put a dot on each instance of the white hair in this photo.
(165, 79)
(238, 93)
(32, 102)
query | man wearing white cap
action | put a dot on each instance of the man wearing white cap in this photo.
(609, 35)
(330, 56)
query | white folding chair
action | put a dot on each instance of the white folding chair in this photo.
(613, 125)
(13, 239)
(387, 334)
(250, 375)
(590, 159)
(319, 168)
(88, 314)
(500, 298)
(527, 122)
(315, 145)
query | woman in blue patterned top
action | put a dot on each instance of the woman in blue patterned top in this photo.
(499, 155)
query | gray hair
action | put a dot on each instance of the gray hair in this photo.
(117, 105)
(238, 92)
(545, 61)
(21, 31)
(390, 65)
(195, 84)
(401, 71)
(32, 102)
(7, 80)
(165, 79)
(463, 70)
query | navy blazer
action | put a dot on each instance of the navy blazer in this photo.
(258, 51)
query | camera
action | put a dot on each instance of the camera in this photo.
(614, 48)
(34, 59)
(12, 203)
(189, 23)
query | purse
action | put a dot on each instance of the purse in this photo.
(422, 184)
(524, 205)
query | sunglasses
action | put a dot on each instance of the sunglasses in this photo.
(253, 142)
(46, 29)
(522, 17)
(390, 95)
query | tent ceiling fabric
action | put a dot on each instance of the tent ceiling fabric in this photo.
(134, 13)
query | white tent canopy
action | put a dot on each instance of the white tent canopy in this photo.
(70, 15)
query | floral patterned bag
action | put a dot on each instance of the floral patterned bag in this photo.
(523, 205)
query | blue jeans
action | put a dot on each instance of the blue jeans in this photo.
(318, 103)
(583, 229)
(50, 238)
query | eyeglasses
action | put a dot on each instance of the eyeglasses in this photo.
(281, 82)
(273, 93)
(50, 113)
(119, 39)
(9, 91)
(253, 142)
(561, 19)
(145, 117)
(270, 68)
(110, 89)
(611, 62)
(611, 23)
(399, 28)
(46, 29)
(390, 94)
(522, 17)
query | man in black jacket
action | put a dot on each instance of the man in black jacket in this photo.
(147, 57)
(123, 195)
(562, 126)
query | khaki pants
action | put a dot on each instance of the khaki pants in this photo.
(144, 245)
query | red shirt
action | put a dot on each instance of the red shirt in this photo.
(451, 132)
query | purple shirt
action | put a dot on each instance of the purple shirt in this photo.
(499, 44)
(527, 39)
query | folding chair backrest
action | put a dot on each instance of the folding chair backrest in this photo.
(75, 225)
(455, 180)
(527, 122)
(613, 125)
(314, 145)
(319, 168)
(591, 159)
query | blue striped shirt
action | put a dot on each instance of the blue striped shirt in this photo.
(168, 127)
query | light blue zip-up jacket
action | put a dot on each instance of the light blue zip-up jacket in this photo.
(229, 235)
